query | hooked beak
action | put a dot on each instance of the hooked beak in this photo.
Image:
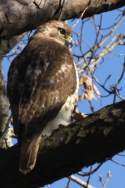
(69, 41)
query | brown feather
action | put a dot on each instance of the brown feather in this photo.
(28, 153)
(40, 80)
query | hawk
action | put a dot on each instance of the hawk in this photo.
(42, 89)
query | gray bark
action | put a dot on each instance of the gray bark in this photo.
(18, 16)
(94, 140)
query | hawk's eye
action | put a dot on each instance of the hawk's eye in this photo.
(62, 31)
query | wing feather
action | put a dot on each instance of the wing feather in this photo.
(43, 76)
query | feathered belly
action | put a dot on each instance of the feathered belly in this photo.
(64, 115)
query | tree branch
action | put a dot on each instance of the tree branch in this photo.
(4, 108)
(96, 139)
(18, 16)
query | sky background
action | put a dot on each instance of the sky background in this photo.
(112, 64)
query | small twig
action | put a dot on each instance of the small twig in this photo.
(120, 164)
(90, 171)
(80, 182)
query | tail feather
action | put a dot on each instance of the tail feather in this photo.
(28, 154)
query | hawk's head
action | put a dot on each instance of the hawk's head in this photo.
(57, 30)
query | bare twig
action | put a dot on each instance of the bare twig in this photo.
(80, 182)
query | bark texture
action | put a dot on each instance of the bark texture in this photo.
(4, 107)
(96, 139)
(18, 16)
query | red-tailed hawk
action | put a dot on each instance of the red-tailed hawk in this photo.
(42, 89)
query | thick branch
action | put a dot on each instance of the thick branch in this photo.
(96, 139)
(18, 16)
